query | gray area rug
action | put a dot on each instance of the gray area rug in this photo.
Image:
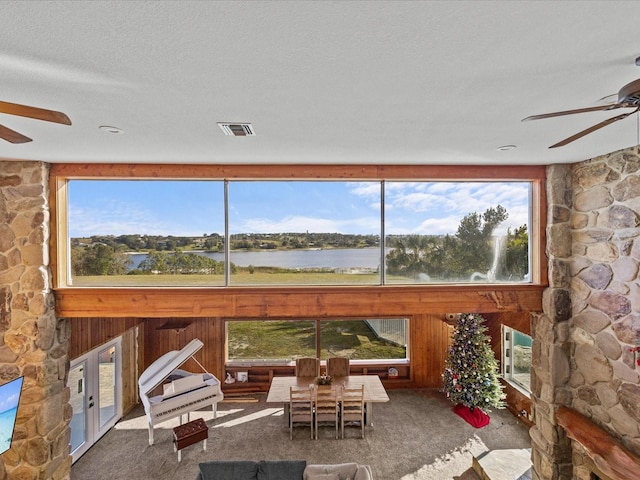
(414, 436)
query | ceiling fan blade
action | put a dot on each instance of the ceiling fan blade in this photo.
(34, 112)
(12, 136)
(579, 110)
(593, 129)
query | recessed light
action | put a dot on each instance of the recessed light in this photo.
(109, 129)
(505, 148)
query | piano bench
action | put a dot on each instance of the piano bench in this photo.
(191, 432)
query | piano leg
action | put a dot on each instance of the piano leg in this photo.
(150, 434)
(188, 414)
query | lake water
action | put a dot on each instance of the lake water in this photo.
(333, 258)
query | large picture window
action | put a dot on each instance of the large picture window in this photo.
(146, 232)
(304, 233)
(282, 341)
(462, 232)
(138, 233)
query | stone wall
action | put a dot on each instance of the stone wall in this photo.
(550, 372)
(33, 343)
(582, 344)
(605, 326)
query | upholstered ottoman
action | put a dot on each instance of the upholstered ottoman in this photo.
(191, 432)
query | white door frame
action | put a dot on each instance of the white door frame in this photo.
(91, 386)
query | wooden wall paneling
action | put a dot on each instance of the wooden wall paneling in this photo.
(265, 302)
(89, 333)
(304, 172)
(430, 340)
(129, 370)
(438, 348)
(79, 343)
(418, 348)
(518, 404)
(159, 340)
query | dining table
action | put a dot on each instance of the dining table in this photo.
(374, 391)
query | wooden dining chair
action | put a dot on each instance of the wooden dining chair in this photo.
(352, 407)
(300, 408)
(326, 406)
(307, 367)
(338, 367)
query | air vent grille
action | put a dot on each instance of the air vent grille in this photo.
(237, 129)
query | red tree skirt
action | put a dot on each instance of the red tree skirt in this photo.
(475, 417)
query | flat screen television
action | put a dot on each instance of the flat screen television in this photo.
(9, 398)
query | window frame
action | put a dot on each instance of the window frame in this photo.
(61, 173)
(507, 359)
(318, 342)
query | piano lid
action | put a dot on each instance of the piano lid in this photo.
(155, 374)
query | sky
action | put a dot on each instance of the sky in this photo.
(195, 208)
(10, 394)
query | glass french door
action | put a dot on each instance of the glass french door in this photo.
(96, 393)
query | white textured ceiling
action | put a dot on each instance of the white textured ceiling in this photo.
(407, 82)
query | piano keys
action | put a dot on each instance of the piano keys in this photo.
(182, 392)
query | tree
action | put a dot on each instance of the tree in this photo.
(474, 249)
(99, 259)
(471, 370)
(517, 253)
(407, 258)
(449, 257)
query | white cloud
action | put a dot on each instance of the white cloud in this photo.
(440, 206)
(365, 189)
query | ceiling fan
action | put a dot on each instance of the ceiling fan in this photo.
(30, 112)
(628, 97)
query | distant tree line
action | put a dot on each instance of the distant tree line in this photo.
(470, 251)
(214, 242)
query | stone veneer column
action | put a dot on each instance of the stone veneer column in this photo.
(605, 288)
(550, 448)
(33, 343)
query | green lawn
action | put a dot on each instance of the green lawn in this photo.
(286, 340)
(237, 279)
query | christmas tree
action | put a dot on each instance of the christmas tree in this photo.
(471, 370)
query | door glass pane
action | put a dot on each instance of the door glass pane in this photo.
(107, 384)
(522, 360)
(78, 420)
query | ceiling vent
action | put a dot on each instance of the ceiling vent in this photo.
(237, 129)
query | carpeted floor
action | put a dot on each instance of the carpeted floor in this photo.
(415, 436)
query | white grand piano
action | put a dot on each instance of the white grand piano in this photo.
(182, 392)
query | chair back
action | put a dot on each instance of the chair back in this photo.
(338, 367)
(307, 367)
(327, 406)
(300, 407)
(353, 410)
